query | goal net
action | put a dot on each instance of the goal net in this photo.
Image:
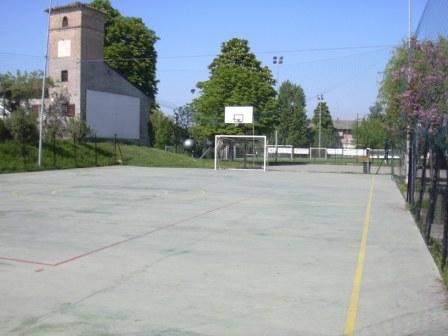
(318, 153)
(240, 152)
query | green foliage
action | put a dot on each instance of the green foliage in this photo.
(390, 91)
(164, 129)
(328, 137)
(78, 129)
(371, 133)
(129, 48)
(183, 118)
(5, 134)
(55, 120)
(292, 122)
(22, 126)
(236, 78)
(18, 88)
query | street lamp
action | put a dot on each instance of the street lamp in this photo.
(279, 61)
(320, 99)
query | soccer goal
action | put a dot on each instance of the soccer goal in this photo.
(318, 153)
(240, 152)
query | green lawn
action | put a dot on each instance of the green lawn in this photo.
(17, 158)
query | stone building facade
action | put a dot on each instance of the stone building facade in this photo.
(110, 104)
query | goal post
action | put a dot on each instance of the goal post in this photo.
(240, 152)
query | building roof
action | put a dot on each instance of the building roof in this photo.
(344, 124)
(74, 6)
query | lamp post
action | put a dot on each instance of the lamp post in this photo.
(188, 115)
(279, 61)
(320, 99)
(41, 116)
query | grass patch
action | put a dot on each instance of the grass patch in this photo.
(436, 251)
(62, 155)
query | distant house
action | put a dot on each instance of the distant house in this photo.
(3, 111)
(344, 131)
(97, 94)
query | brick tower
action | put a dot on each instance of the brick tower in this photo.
(76, 38)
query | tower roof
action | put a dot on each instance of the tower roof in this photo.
(74, 6)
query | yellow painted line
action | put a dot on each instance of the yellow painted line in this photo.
(353, 308)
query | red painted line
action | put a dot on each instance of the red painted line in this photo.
(160, 228)
(102, 248)
(23, 261)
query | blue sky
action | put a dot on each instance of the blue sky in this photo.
(191, 32)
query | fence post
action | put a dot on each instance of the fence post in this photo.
(96, 150)
(54, 149)
(445, 231)
(115, 148)
(432, 196)
(74, 150)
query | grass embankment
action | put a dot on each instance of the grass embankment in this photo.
(17, 158)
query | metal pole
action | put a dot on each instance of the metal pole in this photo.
(320, 127)
(409, 23)
(41, 117)
(407, 162)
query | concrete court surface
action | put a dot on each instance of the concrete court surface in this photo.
(159, 251)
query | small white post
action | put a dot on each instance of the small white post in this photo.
(216, 152)
(265, 153)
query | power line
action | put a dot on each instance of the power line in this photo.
(290, 51)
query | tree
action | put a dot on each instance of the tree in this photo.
(390, 92)
(326, 123)
(183, 120)
(129, 48)
(236, 78)
(183, 116)
(371, 133)
(18, 88)
(22, 125)
(164, 129)
(5, 134)
(55, 116)
(292, 122)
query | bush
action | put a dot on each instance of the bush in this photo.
(5, 134)
(78, 129)
(22, 126)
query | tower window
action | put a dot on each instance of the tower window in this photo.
(64, 76)
(64, 22)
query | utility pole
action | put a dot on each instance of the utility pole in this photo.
(41, 117)
(320, 99)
